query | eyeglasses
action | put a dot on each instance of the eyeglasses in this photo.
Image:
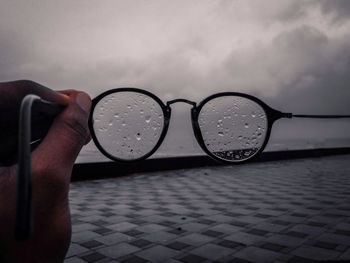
(129, 124)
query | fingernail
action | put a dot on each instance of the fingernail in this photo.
(65, 97)
(84, 102)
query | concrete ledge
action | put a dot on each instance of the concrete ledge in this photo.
(87, 171)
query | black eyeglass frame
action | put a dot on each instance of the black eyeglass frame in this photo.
(271, 114)
(23, 227)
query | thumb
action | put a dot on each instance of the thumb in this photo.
(67, 135)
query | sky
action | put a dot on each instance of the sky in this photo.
(295, 55)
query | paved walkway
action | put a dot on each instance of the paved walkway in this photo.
(282, 211)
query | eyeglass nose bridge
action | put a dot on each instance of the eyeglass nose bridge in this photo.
(194, 104)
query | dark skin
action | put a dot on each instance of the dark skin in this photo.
(52, 163)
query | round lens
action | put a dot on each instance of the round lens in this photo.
(128, 124)
(233, 128)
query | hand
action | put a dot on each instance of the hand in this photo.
(52, 163)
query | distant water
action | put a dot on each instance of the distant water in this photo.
(91, 154)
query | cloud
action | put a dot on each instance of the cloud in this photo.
(183, 49)
(301, 70)
(267, 12)
(339, 10)
(15, 54)
(278, 63)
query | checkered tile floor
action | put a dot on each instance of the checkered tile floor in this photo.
(282, 211)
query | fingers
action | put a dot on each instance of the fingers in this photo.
(52, 163)
(21, 88)
(67, 135)
(12, 94)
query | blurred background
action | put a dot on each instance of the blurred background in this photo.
(294, 55)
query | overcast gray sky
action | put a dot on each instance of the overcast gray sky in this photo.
(182, 48)
(293, 54)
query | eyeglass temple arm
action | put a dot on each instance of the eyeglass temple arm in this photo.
(23, 227)
(278, 115)
(320, 116)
